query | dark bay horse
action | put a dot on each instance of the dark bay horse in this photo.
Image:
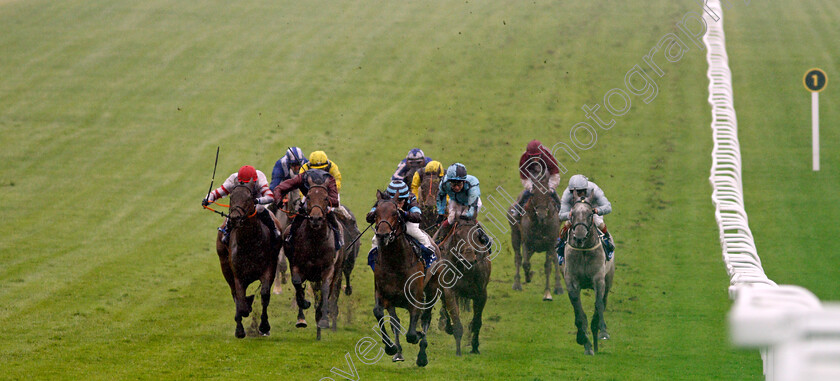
(537, 231)
(401, 280)
(427, 198)
(470, 258)
(351, 252)
(247, 257)
(315, 258)
(586, 268)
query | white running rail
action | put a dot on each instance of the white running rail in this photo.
(798, 337)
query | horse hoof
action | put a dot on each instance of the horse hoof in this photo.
(397, 357)
(323, 324)
(517, 287)
(240, 333)
(264, 334)
(475, 351)
(301, 323)
(422, 360)
(348, 290)
(589, 352)
(391, 350)
(412, 338)
(547, 297)
(604, 336)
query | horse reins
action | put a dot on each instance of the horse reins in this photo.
(588, 228)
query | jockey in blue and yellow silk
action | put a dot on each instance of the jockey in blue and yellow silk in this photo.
(287, 166)
(414, 160)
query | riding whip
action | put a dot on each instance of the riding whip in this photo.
(357, 237)
(213, 179)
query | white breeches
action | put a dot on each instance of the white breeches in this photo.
(553, 182)
(456, 208)
(413, 229)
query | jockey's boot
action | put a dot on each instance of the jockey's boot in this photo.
(225, 232)
(372, 257)
(266, 219)
(560, 248)
(609, 246)
(556, 199)
(523, 199)
(332, 218)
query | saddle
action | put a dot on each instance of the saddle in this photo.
(427, 255)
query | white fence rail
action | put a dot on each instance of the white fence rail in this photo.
(798, 337)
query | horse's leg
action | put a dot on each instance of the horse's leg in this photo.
(265, 295)
(598, 323)
(453, 317)
(516, 242)
(547, 267)
(580, 317)
(379, 313)
(526, 262)
(475, 324)
(302, 303)
(413, 315)
(319, 307)
(242, 309)
(605, 335)
(325, 286)
(395, 322)
(280, 275)
(349, 264)
(558, 272)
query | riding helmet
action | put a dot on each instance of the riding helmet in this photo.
(318, 160)
(246, 174)
(578, 182)
(398, 188)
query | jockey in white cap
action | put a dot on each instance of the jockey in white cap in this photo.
(580, 186)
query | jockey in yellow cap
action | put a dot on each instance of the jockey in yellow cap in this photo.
(319, 160)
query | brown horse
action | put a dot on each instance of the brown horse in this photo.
(537, 231)
(315, 258)
(471, 260)
(248, 256)
(284, 214)
(351, 233)
(586, 268)
(427, 198)
(400, 280)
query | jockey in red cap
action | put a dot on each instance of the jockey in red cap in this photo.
(247, 174)
(537, 156)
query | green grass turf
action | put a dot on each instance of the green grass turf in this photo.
(111, 112)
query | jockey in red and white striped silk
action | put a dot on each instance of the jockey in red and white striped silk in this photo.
(247, 174)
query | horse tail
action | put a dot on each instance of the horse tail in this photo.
(463, 303)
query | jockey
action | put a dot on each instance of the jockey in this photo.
(407, 204)
(247, 174)
(301, 182)
(433, 166)
(580, 186)
(415, 160)
(288, 166)
(463, 194)
(537, 153)
(319, 160)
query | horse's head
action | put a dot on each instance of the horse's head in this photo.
(466, 239)
(542, 206)
(582, 221)
(317, 205)
(388, 220)
(242, 205)
(427, 193)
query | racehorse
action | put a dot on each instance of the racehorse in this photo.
(537, 231)
(427, 198)
(586, 267)
(400, 280)
(470, 258)
(284, 214)
(315, 258)
(248, 256)
(351, 233)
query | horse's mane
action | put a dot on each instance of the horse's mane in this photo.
(317, 176)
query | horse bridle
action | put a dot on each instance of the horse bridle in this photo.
(588, 225)
(309, 208)
(391, 235)
(244, 213)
